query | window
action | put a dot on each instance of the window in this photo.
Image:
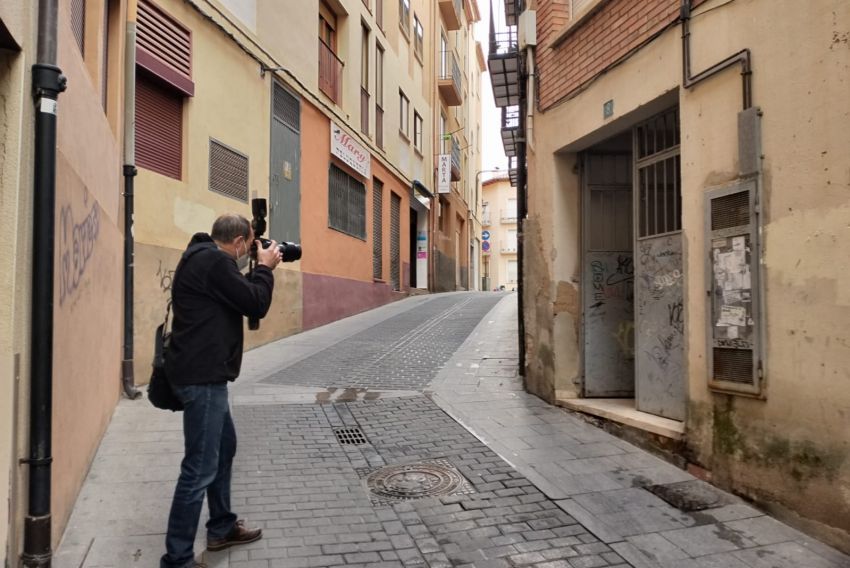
(444, 56)
(443, 130)
(228, 171)
(159, 127)
(379, 95)
(346, 203)
(364, 81)
(512, 271)
(404, 16)
(379, 13)
(510, 245)
(404, 115)
(327, 26)
(78, 23)
(330, 67)
(511, 212)
(418, 38)
(417, 131)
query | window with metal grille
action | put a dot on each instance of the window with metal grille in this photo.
(659, 175)
(78, 23)
(159, 127)
(731, 210)
(287, 108)
(377, 229)
(395, 242)
(228, 171)
(346, 203)
(164, 47)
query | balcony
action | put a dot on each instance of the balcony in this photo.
(513, 174)
(330, 72)
(451, 11)
(449, 82)
(455, 160)
(512, 11)
(485, 219)
(508, 247)
(510, 130)
(508, 215)
(503, 62)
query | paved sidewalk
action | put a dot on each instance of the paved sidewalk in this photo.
(543, 487)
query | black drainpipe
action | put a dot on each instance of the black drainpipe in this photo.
(742, 58)
(127, 376)
(48, 82)
(522, 205)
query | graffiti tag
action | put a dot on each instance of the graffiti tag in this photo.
(76, 242)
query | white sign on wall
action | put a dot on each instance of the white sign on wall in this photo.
(444, 173)
(350, 151)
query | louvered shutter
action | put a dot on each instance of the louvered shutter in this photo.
(377, 229)
(159, 128)
(395, 244)
(164, 47)
(78, 23)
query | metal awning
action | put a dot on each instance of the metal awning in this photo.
(510, 130)
(513, 174)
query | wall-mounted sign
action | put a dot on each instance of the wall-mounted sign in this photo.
(444, 173)
(350, 151)
(485, 235)
(485, 246)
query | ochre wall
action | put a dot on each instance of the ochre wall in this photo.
(792, 449)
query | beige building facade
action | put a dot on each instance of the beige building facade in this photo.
(686, 232)
(88, 242)
(499, 220)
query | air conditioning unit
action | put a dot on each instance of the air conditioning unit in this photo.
(527, 26)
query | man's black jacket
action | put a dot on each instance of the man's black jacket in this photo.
(209, 297)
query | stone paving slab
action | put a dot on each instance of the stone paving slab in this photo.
(548, 489)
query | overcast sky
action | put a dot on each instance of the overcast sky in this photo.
(493, 154)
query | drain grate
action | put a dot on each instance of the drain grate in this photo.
(350, 436)
(405, 482)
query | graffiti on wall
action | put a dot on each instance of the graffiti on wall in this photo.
(166, 277)
(77, 238)
(660, 335)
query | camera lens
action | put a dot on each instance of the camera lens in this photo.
(289, 252)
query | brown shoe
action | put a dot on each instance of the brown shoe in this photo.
(239, 535)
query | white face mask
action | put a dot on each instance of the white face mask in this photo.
(242, 259)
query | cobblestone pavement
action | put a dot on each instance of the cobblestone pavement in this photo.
(429, 382)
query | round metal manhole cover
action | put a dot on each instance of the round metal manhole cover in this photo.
(415, 481)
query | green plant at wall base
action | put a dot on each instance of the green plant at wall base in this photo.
(546, 356)
(727, 438)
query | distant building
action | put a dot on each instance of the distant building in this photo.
(499, 220)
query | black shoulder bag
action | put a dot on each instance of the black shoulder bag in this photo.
(159, 388)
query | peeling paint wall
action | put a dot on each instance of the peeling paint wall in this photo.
(791, 450)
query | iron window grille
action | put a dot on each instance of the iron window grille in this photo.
(346, 203)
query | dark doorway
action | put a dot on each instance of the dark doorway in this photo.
(414, 223)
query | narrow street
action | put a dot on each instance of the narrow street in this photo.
(429, 384)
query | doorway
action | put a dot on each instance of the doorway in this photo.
(413, 239)
(632, 271)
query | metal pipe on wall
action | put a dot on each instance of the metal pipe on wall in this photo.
(48, 82)
(129, 170)
(742, 58)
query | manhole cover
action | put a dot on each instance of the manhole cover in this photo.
(418, 480)
(690, 496)
(350, 436)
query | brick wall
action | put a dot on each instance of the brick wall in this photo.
(607, 37)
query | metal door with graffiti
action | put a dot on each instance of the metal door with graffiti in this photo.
(608, 275)
(659, 316)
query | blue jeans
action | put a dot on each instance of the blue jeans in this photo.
(210, 445)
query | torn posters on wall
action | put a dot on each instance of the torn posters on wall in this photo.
(732, 295)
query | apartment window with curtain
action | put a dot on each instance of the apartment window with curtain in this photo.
(404, 115)
(379, 95)
(364, 80)
(417, 131)
(418, 39)
(404, 17)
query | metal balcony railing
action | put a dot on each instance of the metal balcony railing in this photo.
(510, 130)
(450, 81)
(503, 62)
(330, 72)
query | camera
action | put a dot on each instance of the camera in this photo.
(289, 252)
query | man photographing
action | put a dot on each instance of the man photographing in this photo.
(210, 296)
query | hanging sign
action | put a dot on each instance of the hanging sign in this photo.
(444, 173)
(350, 151)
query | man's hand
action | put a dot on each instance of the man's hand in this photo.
(268, 256)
